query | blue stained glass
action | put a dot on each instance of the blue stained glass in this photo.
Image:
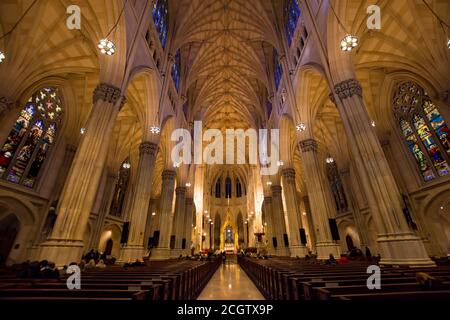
(161, 19)
(292, 14)
(278, 71)
(176, 70)
(269, 108)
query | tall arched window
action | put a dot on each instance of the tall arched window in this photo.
(161, 19)
(120, 190)
(176, 70)
(218, 183)
(426, 134)
(31, 137)
(291, 14)
(238, 189)
(228, 188)
(277, 70)
(337, 189)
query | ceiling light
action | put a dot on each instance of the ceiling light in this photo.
(126, 165)
(155, 130)
(300, 127)
(2, 56)
(349, 42)
(329, 159)
(442, 207)
(107, 47)
(83, 130)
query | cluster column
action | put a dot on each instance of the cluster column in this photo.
(162, 251)
(295, 223)
(65, 243)
(187, 233)
(397, 243)
(179, 221)
(134, 249)
(269, 227)
(321, 209)
(279, 225)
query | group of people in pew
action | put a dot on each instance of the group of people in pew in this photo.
(37, 270)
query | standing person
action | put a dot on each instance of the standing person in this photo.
(368, 253)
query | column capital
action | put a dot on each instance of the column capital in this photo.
(107, 93)
(148, 147)
(180, 191)
(289, 174)
(308, 145)
(276, 190)
(189, 201)
(168, 174)
(6, 104)
(268, 200)
(348, 88)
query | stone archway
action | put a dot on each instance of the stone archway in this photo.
(9, 229)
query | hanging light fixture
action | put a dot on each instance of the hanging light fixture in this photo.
(155, 130)
(300, 127)
(126, 164)
(280, 163)
(269, 183)
(188, 184)
(2, 56)
(373, 123)
(107, 47)
(448, 43)
(349, 42)
(153, 213)
(329, 159)
(82, 131)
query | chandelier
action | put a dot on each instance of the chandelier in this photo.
(349, 42)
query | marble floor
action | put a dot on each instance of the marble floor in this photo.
(230, 282)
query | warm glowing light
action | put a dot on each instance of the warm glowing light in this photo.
(448, 43)
(176, 164)
(373, 124)
(280, 163)
(304, 213)
(155, 130)
(126, 165)
(349, 42)
(107, 47)
(300, 127)
(329, 159)
(269, 183)
(153, 213)
(188, 184)
(2, 56)
(83, 130)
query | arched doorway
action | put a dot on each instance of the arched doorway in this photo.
(217, 225)
(9, 228)
(229, 239)
(349, 242)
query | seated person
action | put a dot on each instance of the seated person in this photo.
(331, 260)
(343, 260)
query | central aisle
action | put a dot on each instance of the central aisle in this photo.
(230, 282)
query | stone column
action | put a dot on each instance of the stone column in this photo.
(294, 220)
(321, 209)
(312, 234)
(179, 220)
(187, 233)
(150, 225)
(278, 221)
(104, 209)
(162, 251)
(397, 243)
(65, 243)
(269, 226)
(134, 248)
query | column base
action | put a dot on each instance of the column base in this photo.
(160, 254)
(403, 249)
(130, 253)
(282, 252)
(175, 253)
(298, 251)
(61, 251)
(324, 249)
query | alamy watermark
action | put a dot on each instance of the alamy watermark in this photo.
(374, 280)
(74, 280)
(235, 153)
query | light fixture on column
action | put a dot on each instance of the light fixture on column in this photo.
(126, 164)
(349, 42)
(106, 45)
(304, 213)
(82, 131)
(329, 159)
(176, 164)
(373, 123)
(188, 184)
(246, 222)
(269, 183)
(153, 213)
(448, 43)
(300, 127)
(280, 163)
(2, 56)
(155, 130)
(212, 222)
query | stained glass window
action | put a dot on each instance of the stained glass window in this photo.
(238, 189)
(228, 187)
(292, 13)
(218, 183)
(269, 108)
(120, 190)
(176, 70)
(424, 129)
(161, 19)
(277, 69)
(31, 137)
